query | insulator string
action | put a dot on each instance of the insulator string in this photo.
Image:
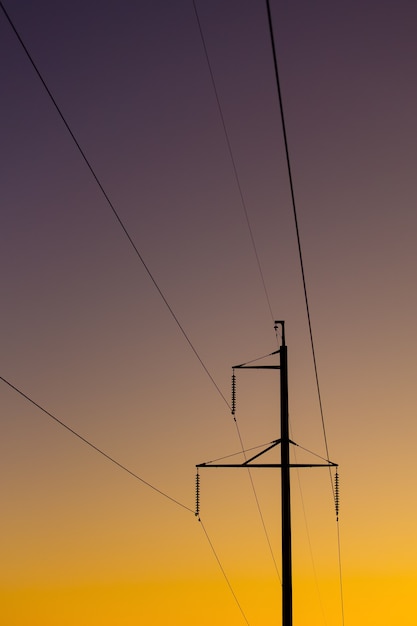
(233, 392)
(197, 495)
(336, 494)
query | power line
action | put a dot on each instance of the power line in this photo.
(93, 446)
(229, 147)
(342, 603)
(290, 178)
(309, 538)
(223, 572)
(287, 155)
(243, 203)
(136, 250)
(134, 475)
(109, 202)
(258, 505)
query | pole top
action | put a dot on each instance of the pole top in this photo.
(281, 323)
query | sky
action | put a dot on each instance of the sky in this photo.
(87, 336)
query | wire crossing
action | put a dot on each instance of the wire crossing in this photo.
(110, 203)
(94, 447)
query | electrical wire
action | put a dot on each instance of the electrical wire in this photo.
(223, 571)
(297, 230)
(140, 257)
(309, 538)
(229, 456)
(134, 475)
(258, 358)
(245, 210)
(268, 540)
(312, 453)
(109, 202)
(250, 473)
(138, 254)
(229, 147)
(94, 447)
(342, 603)
(290, 178)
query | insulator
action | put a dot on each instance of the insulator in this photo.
(336, 494)
(233, 393)
(197, 494)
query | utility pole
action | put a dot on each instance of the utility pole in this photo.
(285, 488)
(285, 467)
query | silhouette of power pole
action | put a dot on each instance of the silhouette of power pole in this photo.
(285, 467)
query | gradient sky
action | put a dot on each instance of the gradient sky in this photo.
(86, 335)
